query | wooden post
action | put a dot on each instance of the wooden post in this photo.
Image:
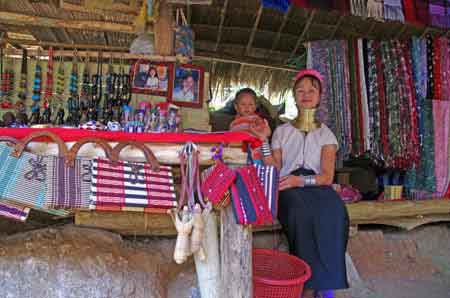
(163, 29)
(236, 257)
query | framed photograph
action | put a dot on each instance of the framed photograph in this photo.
(150, 77)
(188, 86)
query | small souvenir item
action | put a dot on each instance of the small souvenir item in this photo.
(8, 119)
(35, 114)
(21, 120)
(60, 116)
(114, 126)
(93, 125)
(47, 114)
(92, 112)
(152, 121)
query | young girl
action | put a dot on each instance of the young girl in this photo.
(152, 79)
(246, 117)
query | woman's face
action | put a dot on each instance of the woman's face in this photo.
(152, 72)
(307, 96)
(245, 105)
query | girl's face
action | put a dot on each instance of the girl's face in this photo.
(152, 72)
(307, 95)
(245, 105)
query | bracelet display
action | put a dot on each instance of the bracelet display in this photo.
(265, 149)
(309, 180)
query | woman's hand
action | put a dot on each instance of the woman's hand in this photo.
(260, 129)
(290, 181)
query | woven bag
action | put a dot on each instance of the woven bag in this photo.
(132, 186)
(216, 181)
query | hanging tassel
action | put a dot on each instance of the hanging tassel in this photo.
(49, 85)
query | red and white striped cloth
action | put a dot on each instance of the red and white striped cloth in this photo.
(130, 186)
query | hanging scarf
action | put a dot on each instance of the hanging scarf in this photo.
(375, 9)
(441, 114)
(355, 128)
(281, 5)
(437, 68)
(420, 180)
(445, 67)
(438, 13)
(393, 10)
(430, 59)
(422, 12)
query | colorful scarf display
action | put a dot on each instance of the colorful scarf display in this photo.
(330, 58)
(390, 100)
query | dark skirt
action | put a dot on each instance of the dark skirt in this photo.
(316, 223)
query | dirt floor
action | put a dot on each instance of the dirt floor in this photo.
(393, 263)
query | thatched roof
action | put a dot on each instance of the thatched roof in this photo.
(227, 31)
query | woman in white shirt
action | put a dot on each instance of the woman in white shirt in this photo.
(311, 213)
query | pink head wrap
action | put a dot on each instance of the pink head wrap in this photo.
(309, 72)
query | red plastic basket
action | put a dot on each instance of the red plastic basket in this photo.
(278, 275)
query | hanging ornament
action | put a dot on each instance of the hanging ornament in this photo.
(60, 80)
(37, 82)
(7, 84)
(23, 77)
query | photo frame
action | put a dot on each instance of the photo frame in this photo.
(153, 78)
(188, 86)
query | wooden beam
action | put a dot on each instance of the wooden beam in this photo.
(127, 223)
(208, 56)
(132, 9)
(223, 12)
(27, 20)
(338, 24)
(400, 32)
(427, 29)
(253, 33)
(236, 257)
(369, 211)
(408, 223)
(280, 29)
(66, 36)
(65, 45)
(302, 35)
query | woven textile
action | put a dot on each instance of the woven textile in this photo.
(215, 183)
(268, 176)
(441, 114)
(330, 59)
(130, 186)
(249, 202)
(24, 179)
(375, 9)
(13, 211)
(393, 10)
(69, 187)
(438, 13)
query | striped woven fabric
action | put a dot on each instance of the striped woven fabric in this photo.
(14, 211)
(69, 187)
(130, 186)
(215, 183)
(23, 180)
(268, 176)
